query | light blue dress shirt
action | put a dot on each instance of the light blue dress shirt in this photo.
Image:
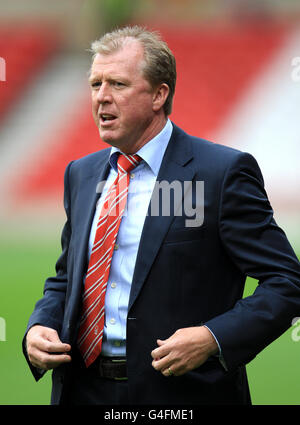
(141, 185)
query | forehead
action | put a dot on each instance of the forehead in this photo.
(129, 58)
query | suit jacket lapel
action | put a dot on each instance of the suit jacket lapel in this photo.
(88, 194)
(174, 167)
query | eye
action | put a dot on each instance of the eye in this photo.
(95, 84)
(118, 84)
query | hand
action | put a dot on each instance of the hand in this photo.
(42, 344)
(185, 350)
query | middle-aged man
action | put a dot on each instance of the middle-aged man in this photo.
(149, 309)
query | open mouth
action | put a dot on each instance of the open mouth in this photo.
(105, 118)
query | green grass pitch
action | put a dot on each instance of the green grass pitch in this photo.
(274, 375)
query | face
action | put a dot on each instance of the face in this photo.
(126, 109)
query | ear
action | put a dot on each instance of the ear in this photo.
(160, 96)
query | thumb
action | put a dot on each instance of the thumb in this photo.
(49, 334)
(52, 336)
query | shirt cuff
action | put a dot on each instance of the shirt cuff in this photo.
(219, 355)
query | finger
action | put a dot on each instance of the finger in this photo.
(160, 351)
(51, 347)
(162, 363)
(52, 336)
(58, 348)
(168, 372)
(160, 343)
(47, 339)
(51, 361)
(48, 361)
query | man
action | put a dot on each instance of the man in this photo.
(167, 323)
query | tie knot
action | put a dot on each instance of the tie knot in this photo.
(127, 163)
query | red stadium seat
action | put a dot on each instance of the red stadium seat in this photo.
(25, 50)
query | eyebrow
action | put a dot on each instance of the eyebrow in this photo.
(95, 79)
(92, 80)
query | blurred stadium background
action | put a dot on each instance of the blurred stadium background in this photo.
(237, 85)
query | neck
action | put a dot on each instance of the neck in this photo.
(151, 131)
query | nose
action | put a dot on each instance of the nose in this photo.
(104, 93)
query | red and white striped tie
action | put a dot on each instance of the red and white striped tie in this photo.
(92, 320)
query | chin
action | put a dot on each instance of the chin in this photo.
(106, 137)
(109, 140)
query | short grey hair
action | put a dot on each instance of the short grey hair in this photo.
(160, 64)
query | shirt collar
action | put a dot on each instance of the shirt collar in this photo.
(152, 152)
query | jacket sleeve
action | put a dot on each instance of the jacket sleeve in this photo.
(49, 310)
(260, 249)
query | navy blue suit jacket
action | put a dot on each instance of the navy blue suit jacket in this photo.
(185, 276)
